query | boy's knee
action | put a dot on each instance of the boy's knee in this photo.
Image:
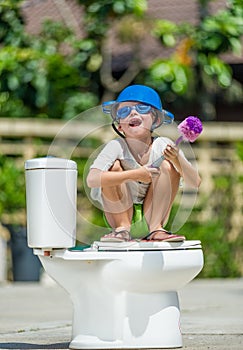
(169, 168)
(116, 166)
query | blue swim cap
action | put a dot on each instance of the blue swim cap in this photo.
(143, 94)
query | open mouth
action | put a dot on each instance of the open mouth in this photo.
(135, 122)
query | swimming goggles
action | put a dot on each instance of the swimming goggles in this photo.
(161, 116)
(125, 111)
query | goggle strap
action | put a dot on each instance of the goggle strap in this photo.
(107, 106)
(116, 130)
(168, 117)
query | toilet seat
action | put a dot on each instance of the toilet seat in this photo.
(109, 250)
(143, 245)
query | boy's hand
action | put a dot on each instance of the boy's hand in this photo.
(171, 152)
(146, 173)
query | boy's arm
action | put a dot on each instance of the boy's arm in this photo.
(99, 178)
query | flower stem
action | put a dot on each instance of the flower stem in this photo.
(179, 140)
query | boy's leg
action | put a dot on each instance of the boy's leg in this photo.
(118, 205)
(160, 197)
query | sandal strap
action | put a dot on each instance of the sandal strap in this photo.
(125, 234)
(159, 230)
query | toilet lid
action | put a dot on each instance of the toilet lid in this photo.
(140, 245)
(50, 163)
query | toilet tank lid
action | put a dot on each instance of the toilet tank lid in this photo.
(50, 163)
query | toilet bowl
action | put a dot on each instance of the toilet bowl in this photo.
(124, 295)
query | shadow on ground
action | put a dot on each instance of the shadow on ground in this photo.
(33, 346)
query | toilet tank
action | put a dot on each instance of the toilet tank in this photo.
(51, 195)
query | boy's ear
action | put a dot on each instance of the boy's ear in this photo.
(156, 121)
(119, 128)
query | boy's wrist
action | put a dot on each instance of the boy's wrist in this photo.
(132, 175)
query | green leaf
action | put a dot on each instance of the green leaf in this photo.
(13, 82)
(236, 46)
(169, 40)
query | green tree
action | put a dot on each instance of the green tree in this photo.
(11, 24)
(54, 74)
(38, 77)
(196, 64)
(12, 191)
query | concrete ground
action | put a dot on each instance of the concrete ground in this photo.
(38, 315)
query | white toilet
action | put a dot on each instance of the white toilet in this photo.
(124, 294)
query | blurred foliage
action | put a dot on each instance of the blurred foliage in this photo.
(57, 75)
(36, 81)
(12, 187)
(239, 148)
(54, 74)
(197, 64)
(98, 15)
(11, 23)
(170, 77)
(39, 77)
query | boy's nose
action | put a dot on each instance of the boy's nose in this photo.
(133, 111)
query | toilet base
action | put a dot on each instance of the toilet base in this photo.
(149, 321)
(92, 342)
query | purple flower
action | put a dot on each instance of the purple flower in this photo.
(190, 129)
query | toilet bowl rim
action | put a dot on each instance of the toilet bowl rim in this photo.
(111, 253)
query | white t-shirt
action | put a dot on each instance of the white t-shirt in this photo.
(118, 149)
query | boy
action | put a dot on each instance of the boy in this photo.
(122, 175)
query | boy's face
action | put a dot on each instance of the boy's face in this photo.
(138, 121)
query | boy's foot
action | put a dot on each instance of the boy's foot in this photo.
(117, 235)
(162, 235)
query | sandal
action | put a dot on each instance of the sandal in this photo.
(117, 236)
(170, 237)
